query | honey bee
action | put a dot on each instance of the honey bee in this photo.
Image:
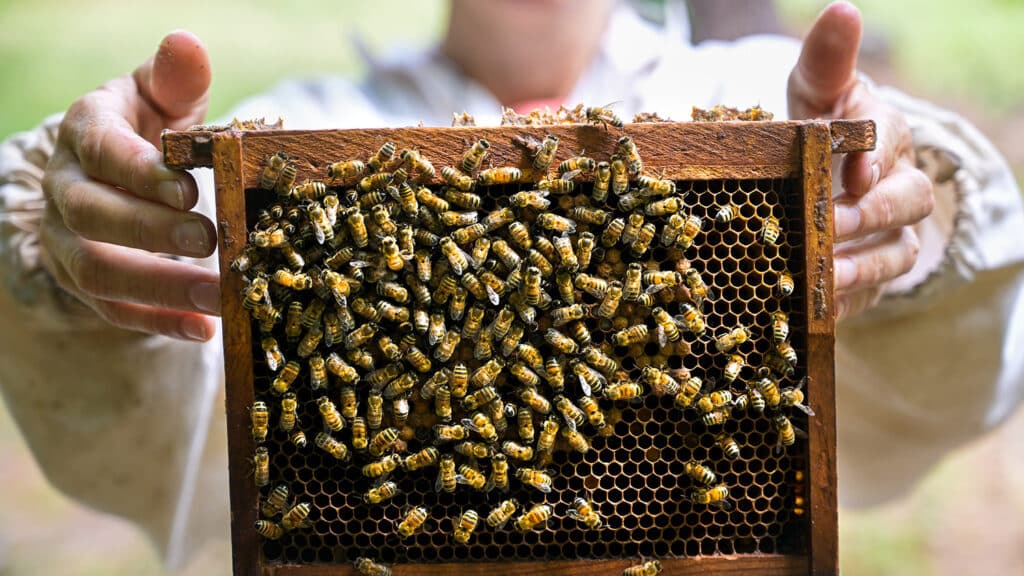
(520, 234)
(400, 410)
(583, 511)
(381, 468)
(473, 449)
(787, 353)
(471, 477)
(345, 171)
(275, 359)
(536, 199)
(456, 179)
(545, 152)
(564, 315)
(636, 334)
(286, 377)
(422, 459)
(497, 414)
(245, 261)
(338, 367)
(466, 524)
(712, 496)
(273, 238)
(486, 374)
(794, 396)
(261, 466)
(382, 157)
(780, 326)
(786, 285)
(450, 433)
(566, 257)
(689, 392)
(577, 164)
(733, 367)
(666, 206)
(510, 342)
(726, 342)
(400, 386)
(576, 440)
(501, 514)
(367, 567)
(356, 223)
(482, 425)
(548, 433)
(727, 213)
(668, 329)
(431, 200)
(359, 435)
(602, 115)
(276, 502)
(473, 157)
(560, 341)
(786, 431)
(556, 223)
(289, 415)
(699, 473)
(537, 516)
(688, 234)
(506, 254)
(629, 202)
(269, 529)
(529, 354)
(591, 381)
(389, 349)
(457, 258)
(412, 521)
(309, 191)
(332, 418)
(730, 448)
(691, 318)
(335, 448)
(374, 409)
(624, 391)
(381, 493)
(446, 348)
(517, 451)
(393, 256)
(634, 224)
(496, 176)
(258, 291)
(498, 218)
(459, 380)
(770, 230)
(573, 416)
(530, 379)
(661, 382)
(272, 170)
(260, 416)
(524, 421)
(648, 568)
(563, 185)
(610, 303)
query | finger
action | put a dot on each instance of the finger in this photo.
(863, 170)
(176, 81)
(98, 133)
(878, 259)
(827, 66)
(180, 325)
(850, 304)
(903, 198)
(114, 273)
(105, 214)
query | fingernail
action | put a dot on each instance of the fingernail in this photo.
(172, 193)
(847, 220)
(844, 273)
(876, 173)
(190, 236)
(194, 328)
(206, 297)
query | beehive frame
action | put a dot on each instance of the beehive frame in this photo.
(798, 151)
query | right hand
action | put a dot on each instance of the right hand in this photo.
(112, 207)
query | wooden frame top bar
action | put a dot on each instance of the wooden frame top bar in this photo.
(684, 150)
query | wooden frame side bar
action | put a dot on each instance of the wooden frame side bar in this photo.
(237, 333)
(817, 202)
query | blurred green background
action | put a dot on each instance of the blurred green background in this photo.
(967, 518)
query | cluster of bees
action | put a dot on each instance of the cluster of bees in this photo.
(428, 332)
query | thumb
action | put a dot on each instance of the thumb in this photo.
(827, 67)
(176, 81)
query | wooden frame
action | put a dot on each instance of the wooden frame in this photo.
(685, 151)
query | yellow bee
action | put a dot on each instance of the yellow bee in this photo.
(382, 157)
(530, 379)
(473, 157)
(498, 218)
(332, 418)
(412, 521)
(770, 230)
(260, 415)
(566, 257)
(564, 315)
(417, 164)
(577, 164)
(574, 417)
(510, 342)
(537, 516)
(374, 409)
(576, 440)
(486, 374)
(367, 567)
(730, 448)
(602, 115)
(506, 254)
(459, 380)
(497, 414)
(501, 514)
(312, 314)
(786, 431)
(661, 382)
(598, 359)
(691, 318)
(591, 381)
(382, 467)
(786, 285)
(727, 213)
(563, 185)
(446, 348)
(276, 502)
(268, 529)
(787, 352)
(456, 179)
(780, 326)
(668, 329)
(794, 396)
(545, 153)
(648, 568)
(548, 433)
(496, 176)
(529, 354)
(517, 451)
(289, 414)
(457, 258)
(465, 525)
(275, 359)
(360, 358)
(482, 425)
(733, 367)
(393, 255)
(557, 223)
(334, 333)
(338, 367)
(713, 496)
(286, 377)
(298, 438)
(359, 435)
(610, 303)
(356, 223)
(524, 421)
(273, 238)
(272, 170)
(732, 339)
(560, 341)
(583, 511)
(257, 292)
(335, 448)
(381, 493)
(624, 391)
(471, 477)
(431, 200)
(443, 403)
(449, 433)
(422, 459)
(309, 191)
(689, 392)
(688, 233)
(473, 449)
(699, 473)
(286, 180)
(593, 411)
(520, 234)
(345, 171)
(261, 463)
(636, 334)
(665, 206)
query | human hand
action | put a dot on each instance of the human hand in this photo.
(884, 194)
(112, 206)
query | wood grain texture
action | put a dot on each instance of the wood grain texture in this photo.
(817, 202)
(237, 334)
(761, 565)
(684, 151)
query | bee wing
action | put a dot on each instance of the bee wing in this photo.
(272, 363)
(587, 391)
(662, 337)
(491, 294)
(570, 174)
(655, 288)
(804, 408)
(724, 504)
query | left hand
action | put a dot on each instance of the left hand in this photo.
(884, 194)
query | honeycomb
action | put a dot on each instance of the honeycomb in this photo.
(634, 476)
